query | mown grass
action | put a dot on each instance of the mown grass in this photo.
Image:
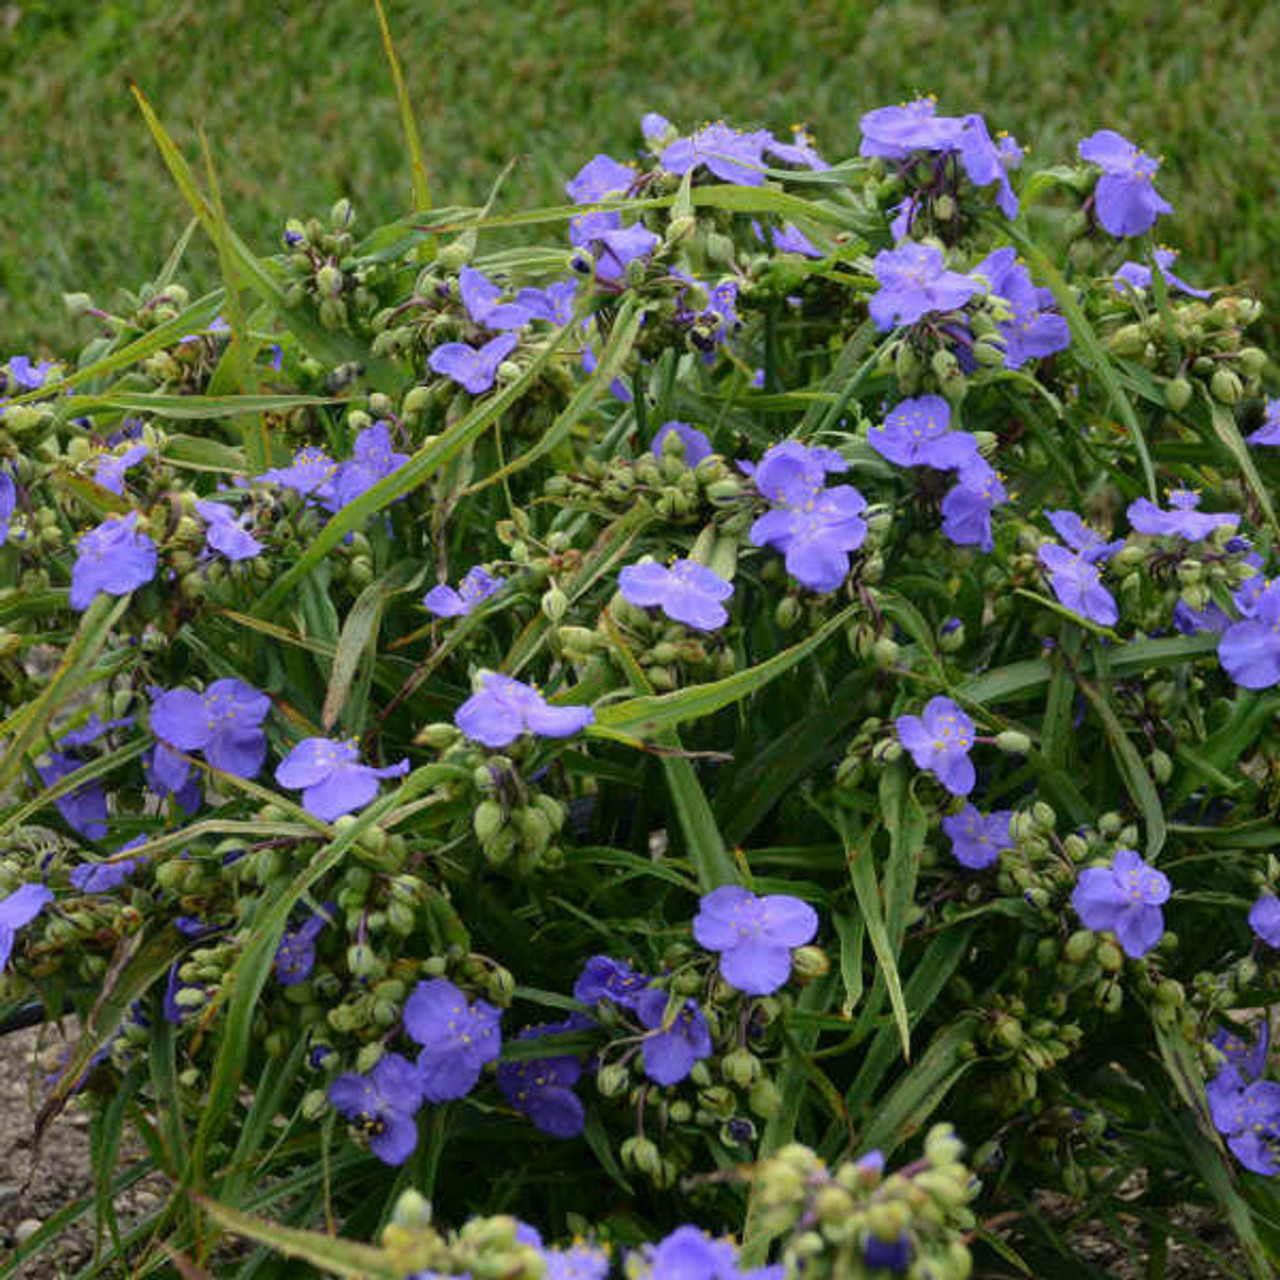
(298, 105)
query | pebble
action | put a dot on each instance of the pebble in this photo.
(26, 1229)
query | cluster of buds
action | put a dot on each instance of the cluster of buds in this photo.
(1201, 342)
(487, 1248)
(858, 1221)
(317, 256)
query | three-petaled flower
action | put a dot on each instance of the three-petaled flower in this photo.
(476, 586)
(977, 840)
(114, 559)
(754, 936)
(686, 592)
(1182, 520)
(503, 708)
(457, 1038)
(914, 282)
(474, 369)
(1126, 200)
(671, 1047)
(1249, 650)
(542, 1088)
(1124, 898)
(223, 722)
(225, 533)
(940, 741)
(331, 779)
(382, 1105)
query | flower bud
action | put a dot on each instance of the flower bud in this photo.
(765, 1098)
(1128, 340)
(1177, 393)
(741, 1067)
(810, 962)
(1226, 387)
(1013, 743)
(787, 613)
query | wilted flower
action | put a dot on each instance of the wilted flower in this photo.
(225, 533)
(696, 444)
(686, 592)
(503, 708)
(1182, 520)
(940, 741)
(542, 1088)
(331, 780)
(1124, 898)
(603, 978)
(110, 468)
(20, 908)
(477, 586)
(296, 954)
(113, 558)
(458, 1038)
(976, 841)
(1125, 198)
(481, 297)
(1138, 276)
(382, 1105)
(670, 1049)
(755, 936)
(1264, 919)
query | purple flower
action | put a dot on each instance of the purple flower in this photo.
(474, 370)
(310, 469)
(581, 1261)
(1126, 200)
(799, 151)
(711, 325)
(167, 773)
(113, 558)
(1078, 585)
(686, 592)
(372, 459)
(277, 356)
(85, 809)
(8, 501)
(1138, 276)
(1264, 920)
(331, 781)
(652, 125)
(730, 155)
(296, 954)
(457, 1038)
(1189, 621)
(1269, 432)
(977, 841)
(92, 730)
(917, 433)
(894, 132)
(28, 375)
(600, 177)
(1248, 1116)
(477, 586)
(225, 533)
(670, 1049)
(1033, 329)
(614, 249)
(788, 238)
(542, 1088)
(20, 908)
(223, 722)
(967, 507)
(914, 283)
(696, 444)
(502, 709)
(1249, 650)
(481, 297)
(984, 162)
(755, 936)
(603, 978)
(1181, 521)
(689, 1253)
(813, 527)
(888, 1255)
(553, 304)
(1078, 535)
(1124, 898)
(1248, 1057)
(103, 877)
(110, 470)
(382, 1106)
(940, 741)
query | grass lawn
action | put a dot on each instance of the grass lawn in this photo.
(295, 98)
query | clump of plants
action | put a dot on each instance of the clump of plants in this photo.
(570, 758)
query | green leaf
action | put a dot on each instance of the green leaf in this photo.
(65, 683)
(1224, 425)
(640, 718)
(360, 632)
(1087, 348)
(417, 159)
(330, 1254)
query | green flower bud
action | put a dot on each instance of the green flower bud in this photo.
(1226, 387)
(1013, 743)
(810, 962)
(787, 613)
(988, 353)
(1177, 393)
(555, 604)
(765, 1098)
(1127, 340)
(642, 1155)
(741, 1067)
